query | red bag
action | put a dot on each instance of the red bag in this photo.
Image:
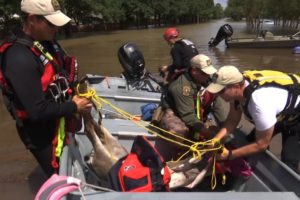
(143, 170)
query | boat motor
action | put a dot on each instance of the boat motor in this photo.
(132, 61)
(224, 32)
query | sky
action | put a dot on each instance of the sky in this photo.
(222, 2)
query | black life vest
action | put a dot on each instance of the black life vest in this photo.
(189, 50)
(266, 78)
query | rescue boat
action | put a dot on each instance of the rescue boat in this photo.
(266, 39)
(270, 179)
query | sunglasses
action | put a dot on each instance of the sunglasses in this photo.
(222, 91)
(41, 17)
(225, 88)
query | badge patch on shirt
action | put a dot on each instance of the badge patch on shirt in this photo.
(186, 90)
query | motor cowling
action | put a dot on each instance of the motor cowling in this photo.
(224, 32)
(132, 61)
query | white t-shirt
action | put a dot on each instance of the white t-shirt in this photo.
(265, 104)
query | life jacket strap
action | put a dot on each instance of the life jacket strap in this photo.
(294, 92)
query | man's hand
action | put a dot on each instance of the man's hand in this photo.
(163, 68)
(84, 105)
(224, 155)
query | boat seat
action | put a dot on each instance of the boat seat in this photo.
(269, 36)
(259, 39)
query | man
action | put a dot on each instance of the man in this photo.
(185, 107)
(35, 78)
(182, 51)
(271, 100)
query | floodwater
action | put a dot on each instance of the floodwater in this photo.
(20, 176)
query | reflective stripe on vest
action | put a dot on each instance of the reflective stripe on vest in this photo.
(198, 106)
(61, 134)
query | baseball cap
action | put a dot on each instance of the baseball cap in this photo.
(226, 75)
(204, 63)
(50, 9)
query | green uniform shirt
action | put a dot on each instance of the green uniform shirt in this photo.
(181, 93)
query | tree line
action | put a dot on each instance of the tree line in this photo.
(284, 13)
(124, 14)
(141, 13)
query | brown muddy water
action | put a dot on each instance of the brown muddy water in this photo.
(20, 176)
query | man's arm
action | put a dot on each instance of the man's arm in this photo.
(22, 70)
(263, 139)
(231, 122)
(177, 58)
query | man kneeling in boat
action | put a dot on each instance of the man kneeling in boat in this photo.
(186, 107)
(253, 92)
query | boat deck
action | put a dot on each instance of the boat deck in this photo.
(270, 42)
(271, 178)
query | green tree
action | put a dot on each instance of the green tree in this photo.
(78, 10)
(255, 13)
(7, 22)
(160, 11)
(218, 11)
(235, 9)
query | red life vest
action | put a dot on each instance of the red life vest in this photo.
(206, 101)
(50, 70)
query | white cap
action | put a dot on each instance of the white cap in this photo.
(204, 63)
(50, 9)
(226, 75)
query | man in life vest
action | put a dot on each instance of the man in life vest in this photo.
(186, 106)
(36, 77)
(182, 51)
(271, 100)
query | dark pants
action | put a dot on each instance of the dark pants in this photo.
(42, 155)
(290, 153)
(44, 158)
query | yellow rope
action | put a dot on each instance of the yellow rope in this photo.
(213, 174)
(196, 148)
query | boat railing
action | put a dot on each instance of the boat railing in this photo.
(244, 39)
(296, 35)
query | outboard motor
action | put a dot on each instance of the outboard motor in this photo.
(132, 61)
(224, 32)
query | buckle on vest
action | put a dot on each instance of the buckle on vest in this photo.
(54, 91)
(59, 89)
(63, 85)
